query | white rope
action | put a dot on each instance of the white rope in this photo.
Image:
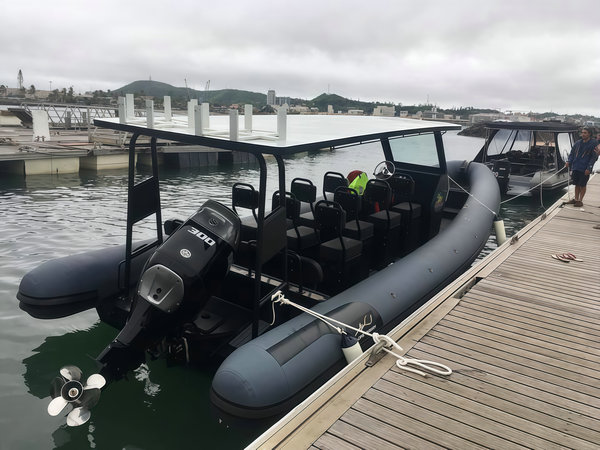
(401, 362)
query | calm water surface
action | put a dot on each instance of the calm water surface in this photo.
(45, 217)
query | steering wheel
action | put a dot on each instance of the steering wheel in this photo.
(384, 170)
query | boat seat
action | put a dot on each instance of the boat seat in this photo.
(376, 206)
(403, 189)
(339, 255)
(332, 181)
(244, 196)
(300, 238)
(377, 201)
(351, 202)
(305, 192)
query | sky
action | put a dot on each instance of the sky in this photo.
(518, 55)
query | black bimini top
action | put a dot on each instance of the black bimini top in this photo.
(554, 127)
(273, 134)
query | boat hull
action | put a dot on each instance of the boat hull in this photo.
(69, 285)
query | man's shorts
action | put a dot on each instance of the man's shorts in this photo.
(579, 178)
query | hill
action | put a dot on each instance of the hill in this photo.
(340, 103)
(178, 94)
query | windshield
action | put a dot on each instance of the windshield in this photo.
(507, 140)
(564, 144)
(416, 149)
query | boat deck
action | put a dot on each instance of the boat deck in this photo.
(521, 332)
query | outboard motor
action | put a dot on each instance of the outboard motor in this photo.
(176, 283)
(501, 170)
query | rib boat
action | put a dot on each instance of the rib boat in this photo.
(366, 250)
(528, 157)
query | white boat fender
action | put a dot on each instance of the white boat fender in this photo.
(351, 347)
(499, 231)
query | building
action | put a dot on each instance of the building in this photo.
(283, 100)
(387, 111)
(297, 109)
(271, 98)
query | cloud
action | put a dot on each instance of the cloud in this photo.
(520, 55)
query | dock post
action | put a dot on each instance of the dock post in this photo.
(129, 106)
(248, 118)
(282, 124)
(167, 108)
(122, 110)
(150, 113)
(191, 112)
(198, 120)
(205, 115)
(233, 125)
(41, 129)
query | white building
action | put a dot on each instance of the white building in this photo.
(387, 111)
(271, 98)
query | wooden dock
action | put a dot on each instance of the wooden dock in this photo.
(521, 332)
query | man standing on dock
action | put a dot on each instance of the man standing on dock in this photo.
(581, 161)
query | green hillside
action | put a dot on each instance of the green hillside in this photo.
(340, 103)
(181, 94)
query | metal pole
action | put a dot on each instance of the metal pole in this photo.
(129, 235)
(262, 189)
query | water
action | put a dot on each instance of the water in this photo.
(45, 217)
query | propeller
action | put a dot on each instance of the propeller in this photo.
(68, 389)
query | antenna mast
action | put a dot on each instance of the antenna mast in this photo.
(187, 89)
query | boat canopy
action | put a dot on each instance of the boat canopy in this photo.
(274, 134)
(552, 127)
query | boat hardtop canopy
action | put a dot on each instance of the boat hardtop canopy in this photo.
(553, 127)
(300, 132)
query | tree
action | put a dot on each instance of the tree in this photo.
(31, 89)
(54, 96)
(2, 90)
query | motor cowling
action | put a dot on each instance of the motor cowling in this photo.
(177, 281)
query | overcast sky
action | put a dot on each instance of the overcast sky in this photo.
(522, 55)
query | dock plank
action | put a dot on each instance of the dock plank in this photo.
(466, 362)
(331, 442)
(528, 312)
(368, 432)
(472, 414)
(579, 341)
(532, 332)
(513, 357)
(513, 348)
(377, 405)
(538, 306)
(500, 399)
